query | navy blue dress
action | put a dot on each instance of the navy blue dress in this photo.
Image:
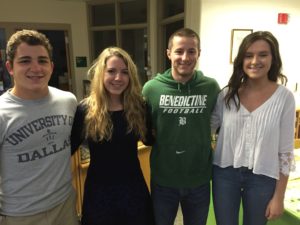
(115, 190)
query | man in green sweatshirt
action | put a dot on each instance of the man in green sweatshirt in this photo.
(180, 102)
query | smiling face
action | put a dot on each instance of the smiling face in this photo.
(31, 69)
(183, 54)
(116, 77)
(258, 60)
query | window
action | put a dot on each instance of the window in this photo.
(169, 30)
(103, 15)
(171, 18)
(134, 41)
(123, 24)
(103, 39)
(172, 7)
(133, 12)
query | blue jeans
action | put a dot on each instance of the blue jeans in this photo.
(194, 204)
(231, 185)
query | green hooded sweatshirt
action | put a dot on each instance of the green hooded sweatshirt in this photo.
(181, 155)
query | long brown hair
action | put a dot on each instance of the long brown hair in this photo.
(239, 77)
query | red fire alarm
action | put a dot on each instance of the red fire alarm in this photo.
(283, 18)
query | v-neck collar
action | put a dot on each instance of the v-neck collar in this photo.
(264, 104)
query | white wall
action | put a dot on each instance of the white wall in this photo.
(53, 11)
(219, 17)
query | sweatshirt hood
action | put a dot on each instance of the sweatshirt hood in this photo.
(167, 78)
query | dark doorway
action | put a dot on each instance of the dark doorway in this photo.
(60, 74)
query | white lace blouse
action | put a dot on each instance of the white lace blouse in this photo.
(262, 140)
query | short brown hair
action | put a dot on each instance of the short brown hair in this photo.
(184, 32)
(30, 37)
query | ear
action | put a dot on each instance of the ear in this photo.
(199, 53)
(52, 67)
(169, 53)
(9, 68)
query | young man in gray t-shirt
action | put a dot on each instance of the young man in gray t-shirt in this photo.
(35, 125)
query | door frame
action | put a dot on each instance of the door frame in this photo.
(11, 27)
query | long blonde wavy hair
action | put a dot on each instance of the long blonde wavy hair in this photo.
(98, 124)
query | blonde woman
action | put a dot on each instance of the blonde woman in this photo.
(112, 120)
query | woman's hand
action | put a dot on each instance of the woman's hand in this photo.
(274, 209)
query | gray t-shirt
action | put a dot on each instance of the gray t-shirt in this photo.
(35, 172)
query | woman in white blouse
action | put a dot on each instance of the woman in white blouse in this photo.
(254, 152)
